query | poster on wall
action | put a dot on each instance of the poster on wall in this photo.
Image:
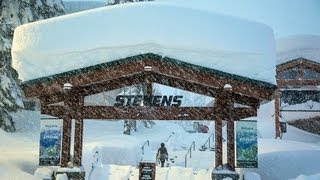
(50, 142)
(246, 144)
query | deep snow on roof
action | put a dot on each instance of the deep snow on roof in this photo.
(100, 35)
(298, 46)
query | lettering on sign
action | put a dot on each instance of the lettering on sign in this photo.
(139, 100)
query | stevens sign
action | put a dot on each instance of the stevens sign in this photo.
(140, 100)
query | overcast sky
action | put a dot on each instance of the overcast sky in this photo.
(286, 17)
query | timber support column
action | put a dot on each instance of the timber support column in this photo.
(147, 81)
(67, 126)
(228, 97)
(78, 134)
(277, 112)
(66, 135)
(218, 132)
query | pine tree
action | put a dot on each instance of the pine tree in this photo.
(114, 2)
(10, 94)
(12, 14)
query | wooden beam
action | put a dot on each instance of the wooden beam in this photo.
(286, 66)
(246, 100)
(242, 113)
(311, 66)
(304, 82)
(183, 84)
(150, 113)
(213, 80)
(111, 84)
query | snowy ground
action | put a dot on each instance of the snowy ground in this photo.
(296, 156)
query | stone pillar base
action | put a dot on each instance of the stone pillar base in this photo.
(75, 173)
(219, 174)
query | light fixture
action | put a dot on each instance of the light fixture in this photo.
(67, 86)
(147, 68)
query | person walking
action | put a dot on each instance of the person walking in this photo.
(162, 154)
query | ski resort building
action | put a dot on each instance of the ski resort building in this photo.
(298, 78)
(64, 60)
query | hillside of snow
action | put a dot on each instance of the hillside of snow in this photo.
(298, 46)
(296, 156)
(76, 6)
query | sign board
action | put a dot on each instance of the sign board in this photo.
(283, 127)
(246, 144)
(147, 171)
(50, 142)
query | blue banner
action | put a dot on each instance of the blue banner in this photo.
(50, 142)
(246, 144)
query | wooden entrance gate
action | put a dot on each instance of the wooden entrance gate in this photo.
(227, 89)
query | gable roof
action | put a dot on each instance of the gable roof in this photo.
(149, 56)
(163, 68)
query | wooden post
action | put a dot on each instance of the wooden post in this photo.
(148, 85)
(218, 131)
(66, 136)
(78, 134)
(228, 107)
(66, 130)
(300, 72)
(277, 112)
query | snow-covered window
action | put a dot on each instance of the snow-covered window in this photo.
(310, 74)
(288, 74)
(299, 96)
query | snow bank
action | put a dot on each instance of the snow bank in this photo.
(288, 164)
(311, 177)
(299, 46)
(43, 173)
(251, 176)
(62, 176)
(104, 34)
(291, 115)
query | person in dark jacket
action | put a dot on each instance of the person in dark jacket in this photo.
(162, 154)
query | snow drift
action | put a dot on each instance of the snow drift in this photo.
(104, 34)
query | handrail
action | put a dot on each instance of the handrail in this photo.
(142, 148)
(189, 151)
(208, 140)
(94, 163)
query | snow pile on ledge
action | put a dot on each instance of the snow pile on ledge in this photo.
(299, 46)
(104, 34)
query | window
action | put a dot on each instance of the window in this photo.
(310, 74)
(288, 74)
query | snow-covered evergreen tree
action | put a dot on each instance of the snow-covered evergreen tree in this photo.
(12, 14)
(113, 2)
